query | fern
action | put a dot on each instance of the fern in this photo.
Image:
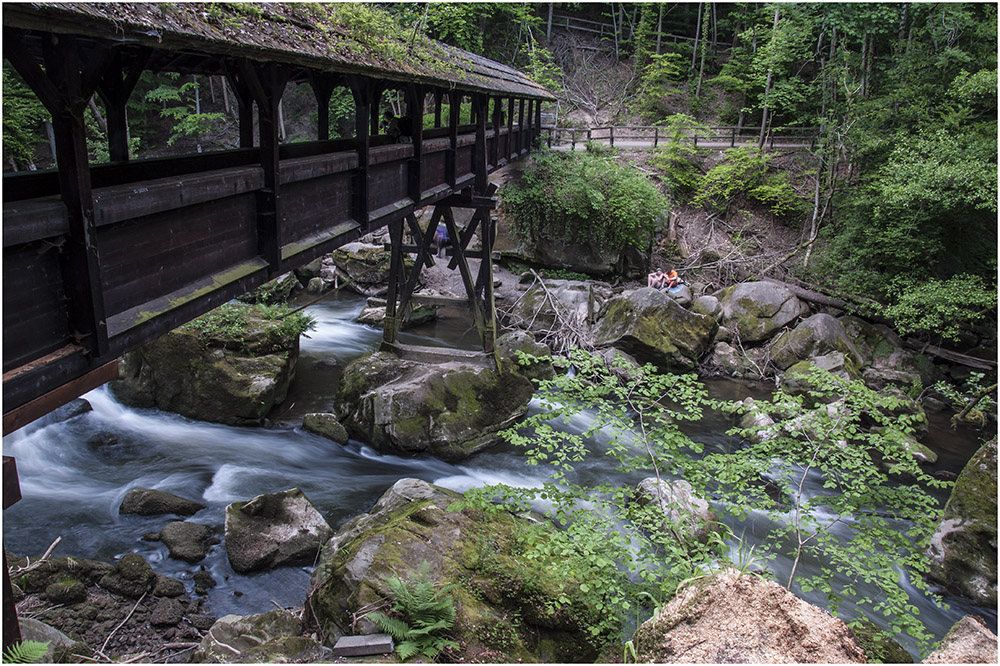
(427, 612)
(25, 652)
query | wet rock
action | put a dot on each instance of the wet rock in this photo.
(274, 292)
(374, 313)
(963, 550)
(150, 502)
(274, 530)
(326, 425)
(756, 420)
(166, 613)
(450, 410)
(365, 267)
(411, 524)
(818, 335)
(233, 637)
(203, 581)
(168, 587)
(800, 378)
(131, 577)
(71, 409)
(187, 541)
(61, 647)
(732, 362)
(234, 379)
(880, 647)
(734, 618)
(967, 642)
(677, 501)
(681, 294)
(653, 328)
(562, 302)
(509, 344)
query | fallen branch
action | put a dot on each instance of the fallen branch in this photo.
(958, 418)
(37, 563)
(105, 645)
(953, 356)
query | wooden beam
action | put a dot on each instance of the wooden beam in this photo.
(115, 91)
(392, 321)
(463, 269)
(21, 416)
(363, 92)
(11, 486)
(454, 115)
(415, 95)
(479, 156)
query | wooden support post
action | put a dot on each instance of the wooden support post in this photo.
(521, 143)
(11, 495)
(509, 148)
(114, 92)
(393, 318)
(528, 130)
(64, 88)
(322, 85)
(362, 90)
(497, 121)
(656, 137)
(244, 103)
(267, 84)
(438, 95)
(415, 95)
(454, 117)
(538, 118)
(479, 166)
(463, 269)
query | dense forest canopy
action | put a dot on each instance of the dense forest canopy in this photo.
(904, 96)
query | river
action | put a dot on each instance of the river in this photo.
(74, 474)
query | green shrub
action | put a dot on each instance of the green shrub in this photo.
(231, 325)
(745, 172)
(675, 162)
(941, 307)
(583, 198)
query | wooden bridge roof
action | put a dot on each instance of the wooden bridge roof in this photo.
(345, 38)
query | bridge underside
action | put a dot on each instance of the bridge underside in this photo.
(101, 259)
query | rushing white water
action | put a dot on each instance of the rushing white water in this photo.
(74, 474)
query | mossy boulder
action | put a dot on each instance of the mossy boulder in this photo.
(131, 577)
(450, 410)
(326, 425)
(273, 530)
(817, 335)
(880, 647)
(963, 550)
(559, 303)
(509, 344)
(235, 378)
(374, 314)
(151, 502)
(508, 607)
(364, 268)
(799, 379)
(732, 362)
(55, 570)
(758, 310)
(650, 326)
(707, 305)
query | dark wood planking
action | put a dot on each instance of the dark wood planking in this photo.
(34, 315)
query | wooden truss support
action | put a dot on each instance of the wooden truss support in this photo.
(64, 87)
(11, 495)
(114, 92)
(478, 288)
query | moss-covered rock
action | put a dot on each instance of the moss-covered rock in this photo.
(187, 541)
(234, 378)
(798, 379)
(131, 577)
(814, 336)
(273, 530)
(363, 268)
(507, 606)
(151, 502)
(963, 550)
(653, 328)
(450, 410)
(326, 425)
(880, 647)
(558, 303)
(758, 310)
(509, 344)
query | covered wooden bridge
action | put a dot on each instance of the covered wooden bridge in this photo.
(100, 258)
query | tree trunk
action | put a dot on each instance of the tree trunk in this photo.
(701, 68)
(97, 115)
(767, 89)
(548, 29)
(697, 37)
(281, 122)
(659, 28)
(52, 138)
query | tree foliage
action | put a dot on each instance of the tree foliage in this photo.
(583, 198)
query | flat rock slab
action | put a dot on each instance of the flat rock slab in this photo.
(361, 646)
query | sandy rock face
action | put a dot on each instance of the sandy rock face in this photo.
(744, 619)
(967, 642)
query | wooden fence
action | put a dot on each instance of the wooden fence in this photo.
(633, 137)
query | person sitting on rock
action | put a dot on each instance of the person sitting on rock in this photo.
(671, 280)
(655, 279)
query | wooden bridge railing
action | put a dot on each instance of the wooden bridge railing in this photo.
(637, 137)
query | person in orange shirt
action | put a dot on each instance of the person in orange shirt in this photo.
(671, 279)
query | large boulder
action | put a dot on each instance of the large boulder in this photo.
(226, 377)
(272, 637)
(680, 507)
(274, 530)
(734, 618)
(818, 335)
(558, 303)
(652, 327)
(732, 362)
(326, 425)
(883, 359)
(508, 608)
(963, 550)
(758, 310)
(589, 258)
(509, 344)
(967, 642)
(151, 502)
(364, 267)
(450, 410)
